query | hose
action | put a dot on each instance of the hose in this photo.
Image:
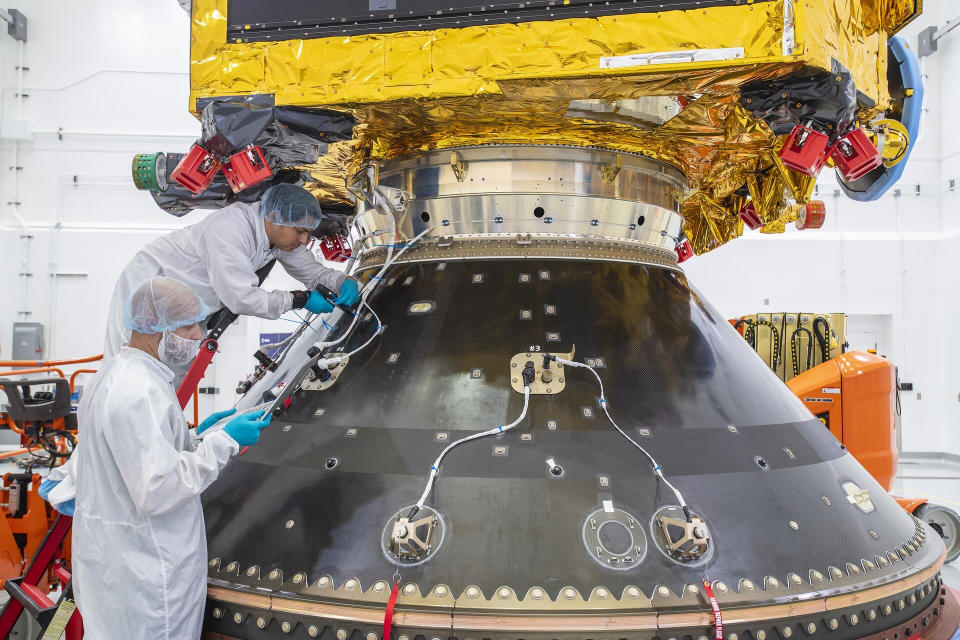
(657, 469)
(435, 467)
(795, 338)
(823, 337)
(750, 335)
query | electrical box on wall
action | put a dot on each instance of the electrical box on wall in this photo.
(27, 341)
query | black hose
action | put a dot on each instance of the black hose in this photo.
(823, 337)
(795, 338)
(750, 335)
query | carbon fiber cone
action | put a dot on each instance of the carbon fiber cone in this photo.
(557, 528)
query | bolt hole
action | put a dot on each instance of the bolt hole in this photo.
(762, 463)
(332, 463)
(556, 471)
(425, 216)
(641, 220)
(538, 212)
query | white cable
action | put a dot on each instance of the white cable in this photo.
(657, 469)
(434, 469)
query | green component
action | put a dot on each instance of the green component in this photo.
(148, 171)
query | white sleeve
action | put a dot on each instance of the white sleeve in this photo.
(227, 250)
(66, 476)
(139, 432)
(303, 265)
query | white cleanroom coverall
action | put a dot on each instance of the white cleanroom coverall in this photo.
(139, 543)
(218, 258)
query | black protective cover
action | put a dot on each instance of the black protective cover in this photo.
(672, 365)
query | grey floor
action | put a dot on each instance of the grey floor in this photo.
(936, 478)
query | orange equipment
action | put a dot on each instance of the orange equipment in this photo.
(47, 427)
(855, 396)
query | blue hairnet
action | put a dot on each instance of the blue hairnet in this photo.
(162, 304)
(291, 206)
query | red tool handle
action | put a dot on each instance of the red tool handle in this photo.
(196, 372)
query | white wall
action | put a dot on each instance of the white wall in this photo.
(108, 78)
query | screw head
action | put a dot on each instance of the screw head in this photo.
(313, 631)
(569, 593)
(261, 623)
(237, 618)
(787, 632)
(251, 571)
(633, 592)
(834, 623)
(351, 583)
(408, 589)
(504, 593)
(536, 593)
(472, 592)
(286, 627)
(218, 613)
(341, 634)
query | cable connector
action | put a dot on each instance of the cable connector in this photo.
(529, 373)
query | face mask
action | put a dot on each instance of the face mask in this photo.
(177, 352)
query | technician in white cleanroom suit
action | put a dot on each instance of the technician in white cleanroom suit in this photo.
(139, 544)
(219, 256)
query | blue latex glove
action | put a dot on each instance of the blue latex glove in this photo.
(66, 508)
(245, 429)
(349, 293)
(213, 419)
(316, 303)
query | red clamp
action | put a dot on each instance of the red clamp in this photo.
(717, 616)
(246, 168)
(748, 213)
(335, 248)
(196, 170)
(684, 251)
(855, 155)
(805, 150)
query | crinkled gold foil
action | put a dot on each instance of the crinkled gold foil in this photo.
(513, 83)
(330, 171)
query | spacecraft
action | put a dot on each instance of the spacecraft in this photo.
(533, 426)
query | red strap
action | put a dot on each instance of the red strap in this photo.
(388, 614)
(717, 616)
